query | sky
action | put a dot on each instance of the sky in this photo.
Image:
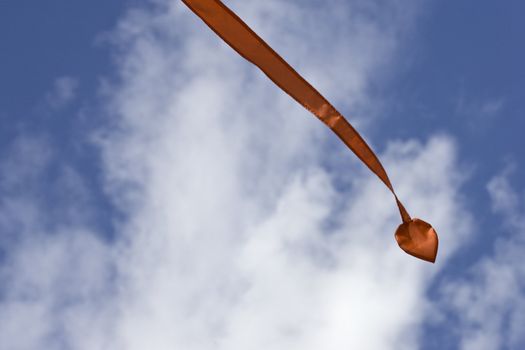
(159, 192)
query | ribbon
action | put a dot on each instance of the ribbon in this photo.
(414, 236)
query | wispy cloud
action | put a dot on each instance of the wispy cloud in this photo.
(53, 270)
(506, 201)
(489, 303)
(481, 114)
(63, 92)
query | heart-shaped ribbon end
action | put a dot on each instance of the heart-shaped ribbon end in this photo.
(418, 238)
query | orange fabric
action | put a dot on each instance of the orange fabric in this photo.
(227, 25)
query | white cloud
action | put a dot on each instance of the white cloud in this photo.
(235, 234)
(54, 274)
(54, 289)
(490, 301)
(238, 238)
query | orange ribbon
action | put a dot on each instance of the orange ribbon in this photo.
(414, 236)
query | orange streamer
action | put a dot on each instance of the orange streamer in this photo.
(414, 236)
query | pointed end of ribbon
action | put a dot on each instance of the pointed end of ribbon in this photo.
(418, 238)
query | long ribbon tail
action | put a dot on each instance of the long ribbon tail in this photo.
(228, 26)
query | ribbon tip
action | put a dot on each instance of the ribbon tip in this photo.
(419, 239)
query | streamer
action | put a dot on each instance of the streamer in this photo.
(416, 237)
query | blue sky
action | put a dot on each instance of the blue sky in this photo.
(157, 189)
